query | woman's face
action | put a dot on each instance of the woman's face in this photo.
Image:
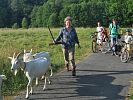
(128, 33)
(98, 24)
(68, 24)
(114, 22)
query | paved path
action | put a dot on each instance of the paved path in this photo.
(99, 77)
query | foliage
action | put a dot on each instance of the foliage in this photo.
(15, 26)
(85, 13)
(53, 20)
(33, 17)
(24, 23)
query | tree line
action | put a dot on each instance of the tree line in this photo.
(85, 13)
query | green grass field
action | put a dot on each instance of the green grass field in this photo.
(38, 39)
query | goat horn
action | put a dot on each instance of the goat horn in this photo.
(18, 54)
(14, 55)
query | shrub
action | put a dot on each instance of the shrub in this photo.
(24, 23)
(15, 26)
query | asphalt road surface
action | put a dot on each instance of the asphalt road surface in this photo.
(99, 77)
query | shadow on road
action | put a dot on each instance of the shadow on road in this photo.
(99, 86)
(107, 72)
(96, 86)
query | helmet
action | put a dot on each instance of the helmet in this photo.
(129, 30)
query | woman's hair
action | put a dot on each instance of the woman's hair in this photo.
(67, 18)
(114, 19)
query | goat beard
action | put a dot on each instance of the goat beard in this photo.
(15, 72)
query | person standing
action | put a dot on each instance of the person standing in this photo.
(99, 27)
(99, 30)
(128, 40)
(114, 31)
(69, 38)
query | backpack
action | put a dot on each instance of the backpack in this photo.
(116, 26)
(112, 27)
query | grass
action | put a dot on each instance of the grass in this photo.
(130, 92)
(16, 40)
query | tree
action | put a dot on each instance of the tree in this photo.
(17, 11)
(33, 17)
(3, 13)
(24, 23)
(15, 26)
(53, 20)
(129, 13)
(85, 13)
(63, 13)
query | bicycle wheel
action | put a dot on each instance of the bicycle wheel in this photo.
(94, 47)
(124, 56)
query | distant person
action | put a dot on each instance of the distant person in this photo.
(114, 31)
(99, 27)
(105, 39)
(100, 30)
(69, 38)
(128, 39)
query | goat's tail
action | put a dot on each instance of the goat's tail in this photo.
(3, 77)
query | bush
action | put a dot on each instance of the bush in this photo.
(24, 23)
(15, 26)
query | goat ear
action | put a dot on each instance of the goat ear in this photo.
(10, 58)
(31, 51)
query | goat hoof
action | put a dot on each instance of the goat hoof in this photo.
(27, 97)
(43, 89)
(49, 82)
(30, 93)
(36, 84)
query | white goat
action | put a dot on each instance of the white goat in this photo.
(33, 68)
(2, 77)
(28, 56)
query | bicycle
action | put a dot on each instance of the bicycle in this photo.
(116, 47)
(125, 53)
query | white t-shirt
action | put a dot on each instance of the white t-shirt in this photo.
(128, 38)
(99, 35)
(99, 29)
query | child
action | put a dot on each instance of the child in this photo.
(128, 39)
